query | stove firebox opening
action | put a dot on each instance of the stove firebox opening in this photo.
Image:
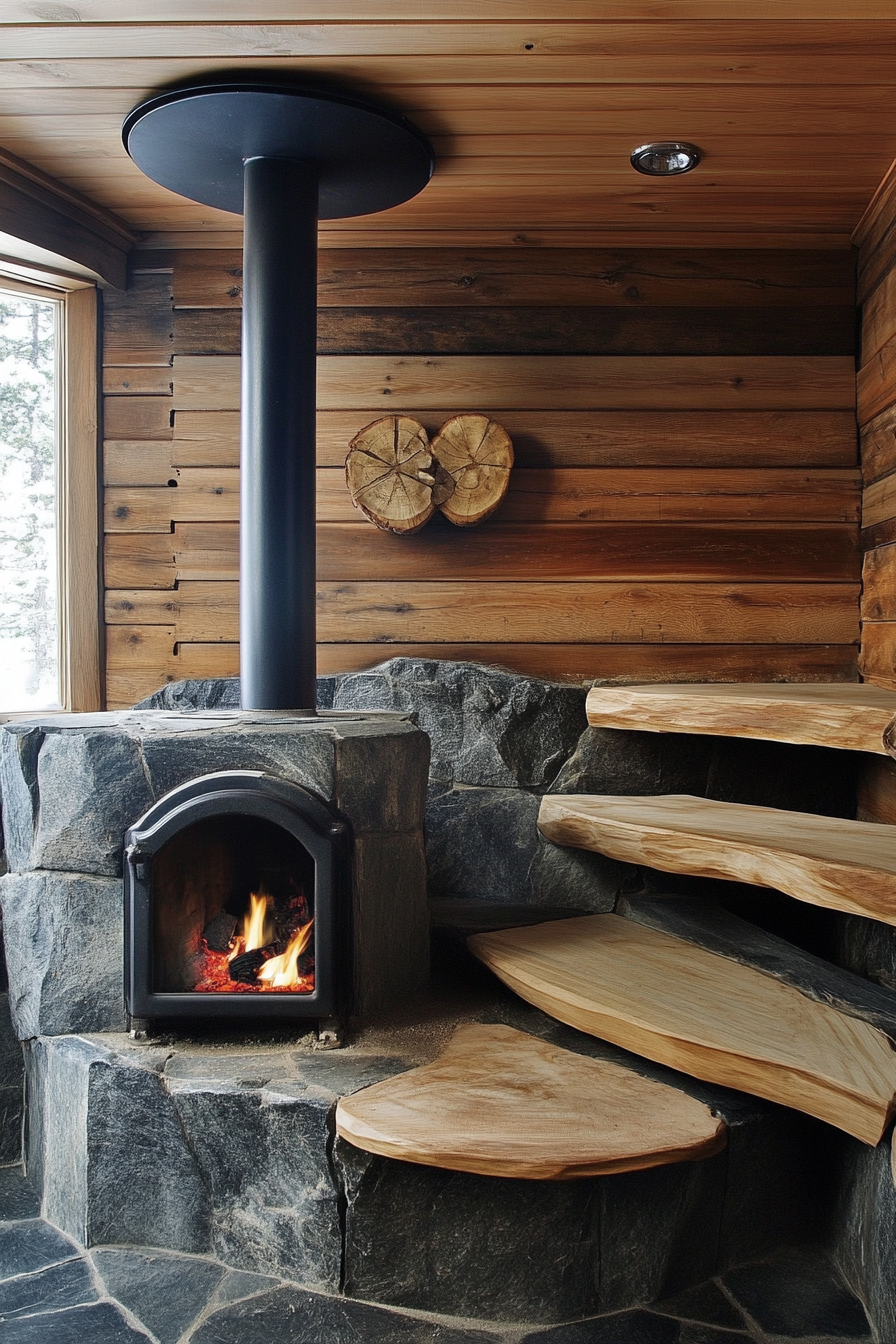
(232, 910)
(236, 902)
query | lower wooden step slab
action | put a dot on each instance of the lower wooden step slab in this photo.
(499, 1102)
(717, 930)
(663, 998)
(844, 865)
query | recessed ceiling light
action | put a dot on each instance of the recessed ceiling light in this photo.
(665, 158)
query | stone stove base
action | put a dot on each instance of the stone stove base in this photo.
(51, 1289)
(224, 1150)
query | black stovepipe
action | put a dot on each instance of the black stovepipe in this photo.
(277, 455)
(285, 156)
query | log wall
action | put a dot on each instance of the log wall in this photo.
(876, 393)
(684, 504)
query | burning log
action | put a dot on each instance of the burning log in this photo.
(218, 932)
(244, 968)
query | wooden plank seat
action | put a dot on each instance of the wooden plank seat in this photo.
(499, 1102)
(705, 1014)
(854, 717)
(828, 861)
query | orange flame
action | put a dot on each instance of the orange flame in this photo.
(276, 974)
(257, 928)
(283, 972)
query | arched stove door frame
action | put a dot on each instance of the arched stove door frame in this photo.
(319, 829)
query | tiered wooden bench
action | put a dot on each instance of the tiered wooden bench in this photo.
(710, 1016)
(844, 865)
(853, 717)
(498, 1102)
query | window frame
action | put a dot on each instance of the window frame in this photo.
(77, 486)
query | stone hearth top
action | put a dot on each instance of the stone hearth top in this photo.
(140, 721)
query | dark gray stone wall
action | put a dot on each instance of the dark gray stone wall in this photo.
(12, 1086)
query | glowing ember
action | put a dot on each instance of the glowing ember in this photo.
(276, 972)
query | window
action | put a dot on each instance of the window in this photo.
(49, 595)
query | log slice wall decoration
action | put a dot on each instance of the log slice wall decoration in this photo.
(398, 479)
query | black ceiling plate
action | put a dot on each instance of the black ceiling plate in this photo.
(195, 141)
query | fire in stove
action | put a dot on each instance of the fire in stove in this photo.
(270, 951)
(237, 902)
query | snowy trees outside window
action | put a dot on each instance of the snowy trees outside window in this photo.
(29, 642)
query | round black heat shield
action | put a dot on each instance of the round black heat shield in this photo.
(195, 140)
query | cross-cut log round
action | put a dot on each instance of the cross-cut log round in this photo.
(478, 454)
(498, 1102)
(392, 477)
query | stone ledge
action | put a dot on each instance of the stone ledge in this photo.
(243, 1137)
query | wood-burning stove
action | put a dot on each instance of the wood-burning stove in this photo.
(237, 902)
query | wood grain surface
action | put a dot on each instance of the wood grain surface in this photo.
(141, 658)
(705, 1014)
(626, 497)
(827, 861)
(499, 1102)
(702, 439)
(876, 387)
(544, 382)
(854, 718)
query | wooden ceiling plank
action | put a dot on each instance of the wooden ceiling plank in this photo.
(279, 11)
(800, 41)
(384, 72)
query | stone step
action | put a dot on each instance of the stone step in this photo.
(227, 1150)
(828, 861)
(499, 1102)
(705, 1014)
(853, 717)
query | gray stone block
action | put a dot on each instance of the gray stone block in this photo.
(218, 693)
(475, 1246)
(92, 784)
(19, 748)
(116, 1166)
(488, 728)
(381, 778)
(864, 1226)
(483, 844)
(659, 1230)
(12, 1087)
(616, 760)
(263, 1158)
(98, 774)
(526, 1250)
(192, 694)
(64, 936)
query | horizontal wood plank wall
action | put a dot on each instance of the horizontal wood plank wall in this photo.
(876, 390)
(685, 500)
